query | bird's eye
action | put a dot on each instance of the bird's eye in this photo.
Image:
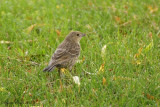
(77, 34)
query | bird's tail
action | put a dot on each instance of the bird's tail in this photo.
(49, 68)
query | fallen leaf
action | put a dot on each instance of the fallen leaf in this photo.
(150, 97)
(80, 61)
(58, 32)
(76, 80)
(88, 26)
(90, 4)
(29, 71)
(117, 19)
(103, 52)
(138, 62)
(61, 86)
(150, 35)
(63, 70)
(126, 7)
(152, 9)
(3, 13)
(30, 28)
(139, 52)
(104, 81)
(134, 16)
(5, 42)
(57, 6)
(2, 89)
(63, 100)
(30, 94)
(101, 69)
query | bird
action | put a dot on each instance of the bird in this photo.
(67, 53)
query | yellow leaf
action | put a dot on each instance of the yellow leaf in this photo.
(101, 69)
(57, 6)
(152, 9)
(138, 62)
(30, 28)
(2, 13)
(139, 53)
(2, 89)
(104, 81)
(149, 47)
(140, 50)
(63, 70)
(136, 55)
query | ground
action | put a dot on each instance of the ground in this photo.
(121, 49)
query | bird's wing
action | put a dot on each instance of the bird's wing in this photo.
(62, 55)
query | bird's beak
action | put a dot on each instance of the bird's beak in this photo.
(83, 34)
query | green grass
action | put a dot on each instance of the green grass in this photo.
(130, 29)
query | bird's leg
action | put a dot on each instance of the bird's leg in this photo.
(59, 71)
(61, 74)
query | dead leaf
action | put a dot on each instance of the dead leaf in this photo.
(57, 6)
(90, 4)
(30, 28)
(76, 80)
(2, 89)
(117, 19)
(29, 71)
(138, 62)
(134, 16)
(139, 52)
(101, 69)
(149, 96)
(5, 42)
(80, 61)
(88, 26)
(58, 32)
(63, 70)
(103, 52)
(152, 9)
(61, 86)
(30, 94)
(126, 7)
(150, 35)
(104, 81)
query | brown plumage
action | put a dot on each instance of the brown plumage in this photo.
(67, 52)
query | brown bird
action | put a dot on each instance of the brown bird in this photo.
(67, 52)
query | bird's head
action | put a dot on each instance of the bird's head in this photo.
(75, 36)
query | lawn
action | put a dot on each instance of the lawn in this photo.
(121, 51)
